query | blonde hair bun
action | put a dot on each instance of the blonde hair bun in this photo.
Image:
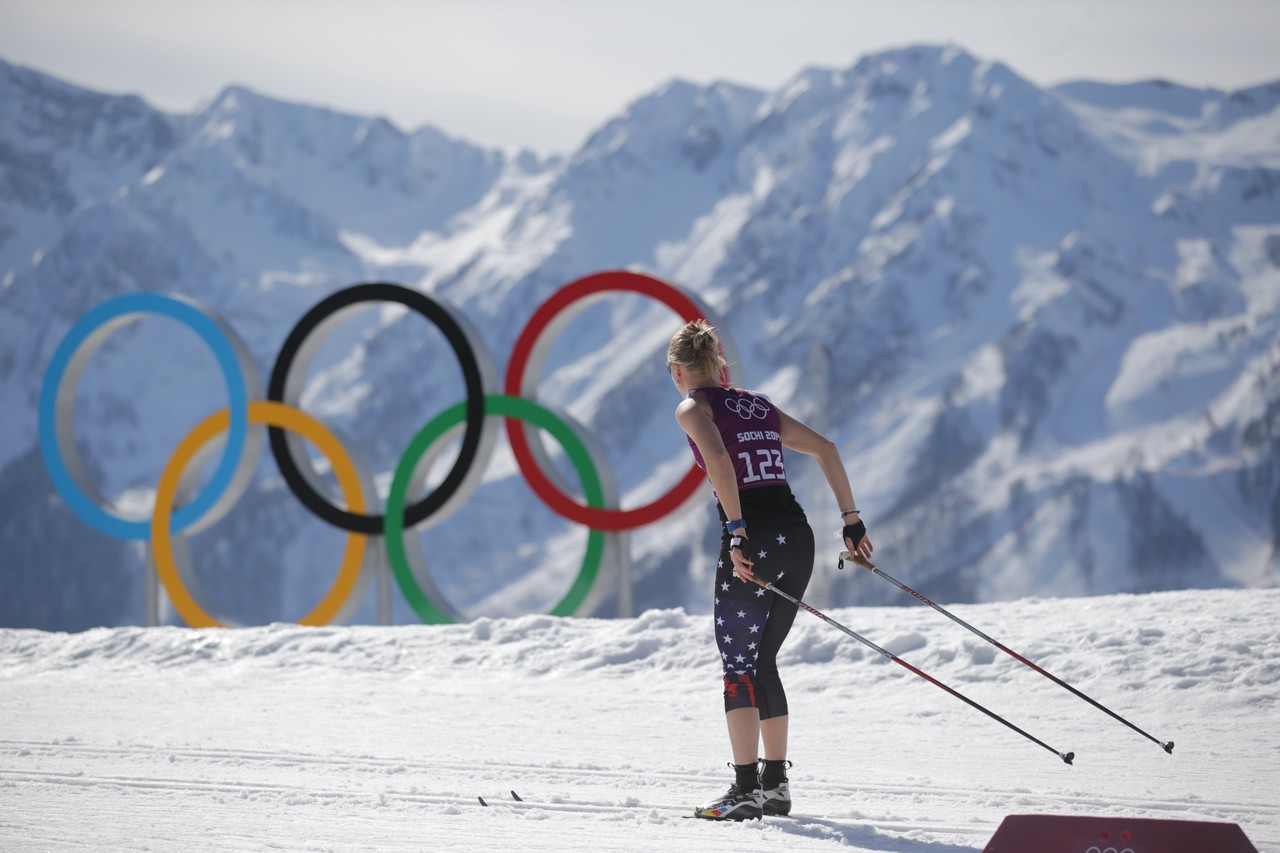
(696, 347)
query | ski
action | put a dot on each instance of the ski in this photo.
(519, 799)
(514, 796)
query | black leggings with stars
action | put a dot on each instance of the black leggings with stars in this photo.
(751, 623)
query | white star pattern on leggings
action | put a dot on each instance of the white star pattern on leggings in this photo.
(740, 619)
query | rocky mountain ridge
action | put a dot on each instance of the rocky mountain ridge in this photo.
(1041, 324)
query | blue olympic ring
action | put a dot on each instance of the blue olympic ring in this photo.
(90, 332)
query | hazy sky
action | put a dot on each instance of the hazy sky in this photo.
(544, 73)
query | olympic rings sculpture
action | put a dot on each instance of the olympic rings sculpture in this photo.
(179, 511)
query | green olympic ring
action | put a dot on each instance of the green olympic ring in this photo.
(432, 612)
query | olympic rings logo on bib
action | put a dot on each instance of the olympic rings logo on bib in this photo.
(747, 407)
(248, 410)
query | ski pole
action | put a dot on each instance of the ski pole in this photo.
(1065, 756)
(866, 564)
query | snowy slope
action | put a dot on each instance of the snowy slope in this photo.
(1041, 324)
(361, 738)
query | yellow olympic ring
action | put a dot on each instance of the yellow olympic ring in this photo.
(261, 413)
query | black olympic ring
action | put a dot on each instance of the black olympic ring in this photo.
(286, 386)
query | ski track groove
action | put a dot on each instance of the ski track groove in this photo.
(831, 829)
(497, 803)
(499, 798)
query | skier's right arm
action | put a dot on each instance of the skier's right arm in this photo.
(698, 425)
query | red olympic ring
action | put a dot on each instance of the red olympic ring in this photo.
(523, 362)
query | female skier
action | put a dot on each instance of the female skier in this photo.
(737, 437)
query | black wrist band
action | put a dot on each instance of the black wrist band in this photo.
(854, 532)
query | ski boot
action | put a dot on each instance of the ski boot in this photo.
(774, 788)
(743, 801)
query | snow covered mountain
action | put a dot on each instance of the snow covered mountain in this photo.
(1041, 324)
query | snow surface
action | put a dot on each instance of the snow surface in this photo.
(384, 738)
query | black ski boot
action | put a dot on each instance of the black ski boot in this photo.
(774, 788)
(744, 800)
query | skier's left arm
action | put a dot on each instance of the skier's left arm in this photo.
(797, 436)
